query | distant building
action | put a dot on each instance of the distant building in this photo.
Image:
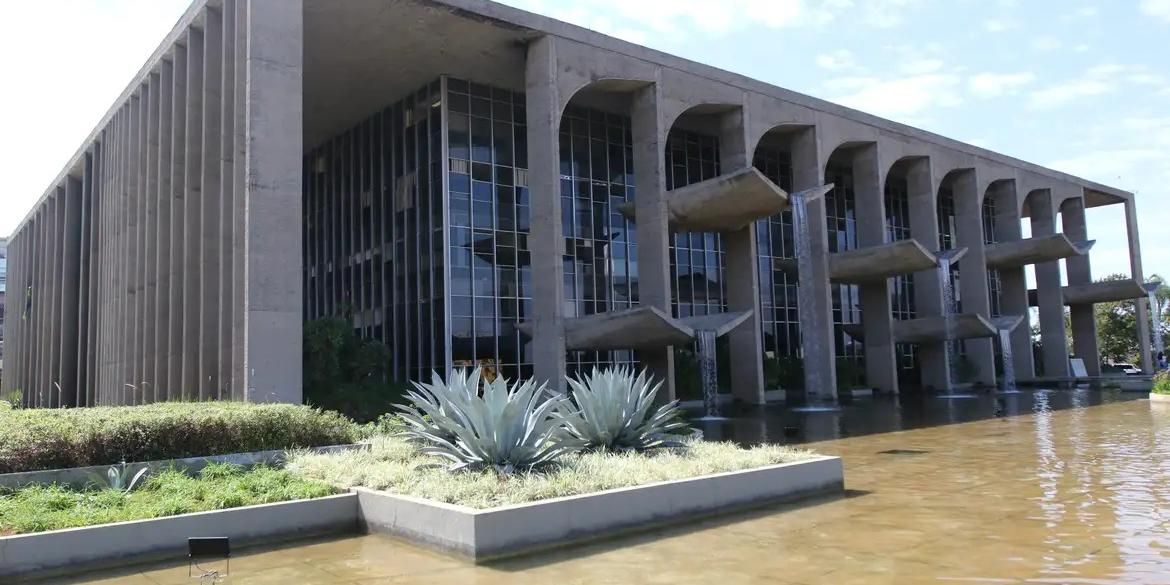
(475, 184)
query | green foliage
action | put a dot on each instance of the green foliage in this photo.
(36, 439)
(783, 373)
(850, 375)
(506, 429)
(1117, 337)
(346, 373)
(688, 377)
(1162, 382)
(218, 486)
(612, 411)
(118, 477)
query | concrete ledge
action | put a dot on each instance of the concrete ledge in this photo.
(481, 535)
(93, 547)
(79, 476)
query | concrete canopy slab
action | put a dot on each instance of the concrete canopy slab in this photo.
(1104, 292)
(639, 327)
(720, 323)
(1034, 250)
(875, 263)
(927, 329)
(726, 203)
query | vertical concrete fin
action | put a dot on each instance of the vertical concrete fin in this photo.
(192, 196)
(209, 204)
(177, 272)
(163, 275)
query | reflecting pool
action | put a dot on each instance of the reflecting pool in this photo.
(1051, 487)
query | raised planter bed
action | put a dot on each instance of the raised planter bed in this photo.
(79, 476)
(78, 549)
(480, 535)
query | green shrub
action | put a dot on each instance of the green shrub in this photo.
(38, 508)
(1162, 382)
(346, 373)
(33, 439)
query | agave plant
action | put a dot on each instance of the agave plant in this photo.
(613, 411)
(118, 477)
(507, 428)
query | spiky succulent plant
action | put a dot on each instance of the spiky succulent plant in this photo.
(507, 428)
(612, 409)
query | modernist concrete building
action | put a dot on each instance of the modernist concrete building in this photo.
(472, 183)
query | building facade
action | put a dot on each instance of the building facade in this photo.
(537, 199)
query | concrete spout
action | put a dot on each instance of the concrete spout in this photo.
(726, 203)
(1035, 250)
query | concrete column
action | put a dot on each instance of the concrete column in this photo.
(162, 256)
(54, 274)
(273, 297)
(740, 274)
(70, 288)
(649, 134)
(226, 200)
(818, 347)
(1078, 271)
(542, 103)
(881, 366)
(176, 273)
(150, 313)
(131, 363)
(85, 285)
(973, 284)
(923, 198)
(1012, 282)
(238, 204)
(193, 383)
(209, 206)
(1048, 290)
(1141, 305)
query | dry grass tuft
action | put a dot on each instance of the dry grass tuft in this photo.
(393, 465)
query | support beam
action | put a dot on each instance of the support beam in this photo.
(1079, 271)
(973, 285)
(881, 368)
(1048, 287)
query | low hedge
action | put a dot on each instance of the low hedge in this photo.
(36, 439)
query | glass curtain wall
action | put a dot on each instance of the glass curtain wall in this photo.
(946, 240)
(600, 263)
(779, 316)
(993, 283)
(373, 251)
(841, 217)
(697, 268)
(897, 204)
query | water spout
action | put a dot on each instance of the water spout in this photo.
(1009, 365)
(1155, 321)
(946, 285)
(709, 374)
(818, 394)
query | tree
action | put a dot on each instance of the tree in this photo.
(1117, 336)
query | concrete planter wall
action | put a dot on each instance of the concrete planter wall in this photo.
(474, 534)
(511, 530)
(1163, 398)
(79, 476)
(76, 549)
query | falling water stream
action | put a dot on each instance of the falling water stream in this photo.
(709, 373)
(946, 285)
(1156, 324)
(819, 396)
(1009, 365)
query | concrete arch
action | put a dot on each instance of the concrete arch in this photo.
(618, 87)
(756, 136)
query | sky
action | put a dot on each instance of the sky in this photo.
(1082, 86)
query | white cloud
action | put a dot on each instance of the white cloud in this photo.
(1068, 91)
(998, 25)
(989, 85)
(836, 60)
(1082, 12)
(921, 66)
(1096, 80)
(1157, 8)
(1046, 43)
(898, 98)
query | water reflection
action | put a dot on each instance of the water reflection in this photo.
(1041, 487)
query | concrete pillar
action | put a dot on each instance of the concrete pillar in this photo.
(177, 274)
(934, 359)
(1012, 281)
(150, 313)
(818, 348)
(272, 309)
(162, 256)
(543, 111)
(1048, 290)
(192, 382)
(973, 284)
(1141, 305)
(226, 200)
(238, 203)
(649, 136)
(881, 367)
(740, 274)
(70, 288)
(131, 364)
(1078, 271)
(85, 285)
(209, 206)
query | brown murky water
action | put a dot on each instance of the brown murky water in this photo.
(1067, 496)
